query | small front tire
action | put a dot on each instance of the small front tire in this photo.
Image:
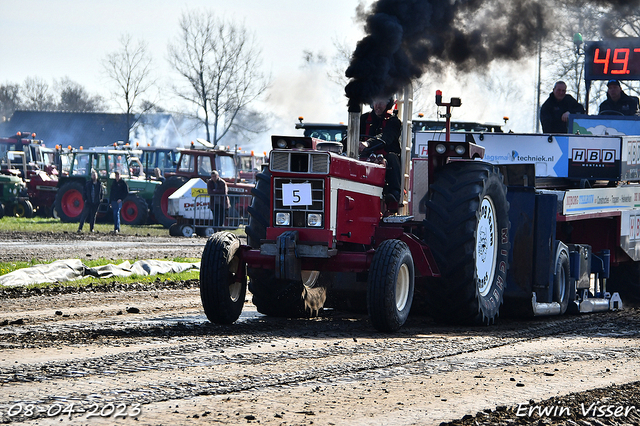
(222, 287)
(390, 286)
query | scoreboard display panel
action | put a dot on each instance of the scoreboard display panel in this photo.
(615, 59)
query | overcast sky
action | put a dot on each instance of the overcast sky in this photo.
(52, 39)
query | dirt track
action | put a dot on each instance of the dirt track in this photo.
(82, 352)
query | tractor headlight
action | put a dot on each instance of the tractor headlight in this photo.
(314, 219)
(283, 219)
(281, 143)
(441, 149)
(460, 149)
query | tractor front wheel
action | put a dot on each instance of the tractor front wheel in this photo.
(222, 288)
(390, 286)
(23, 208)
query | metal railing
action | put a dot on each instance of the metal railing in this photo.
(233, 218)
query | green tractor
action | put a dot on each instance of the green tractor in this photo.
(14, 200)
(135, 208)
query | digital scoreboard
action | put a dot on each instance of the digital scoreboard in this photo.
(614, 59)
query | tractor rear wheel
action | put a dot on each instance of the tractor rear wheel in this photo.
(134, 210)
(222, 289)
(390, 285)
(467, 230)
(273, 297)
(160, 201)
(69, 202)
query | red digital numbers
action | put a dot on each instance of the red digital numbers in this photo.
(604, 61)
(619, 62)
(624, 61)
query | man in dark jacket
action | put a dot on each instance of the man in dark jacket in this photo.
(219, 201)
(555, 110)
(379, 122)
(618, 102)
(119, 191)
(92, 196)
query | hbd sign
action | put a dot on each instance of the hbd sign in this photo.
(593, 155)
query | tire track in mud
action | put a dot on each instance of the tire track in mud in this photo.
(203, 359)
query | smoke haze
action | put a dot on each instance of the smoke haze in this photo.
(405, 38)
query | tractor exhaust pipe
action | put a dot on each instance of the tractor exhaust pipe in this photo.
(353, 130)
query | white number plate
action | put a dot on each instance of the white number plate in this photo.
(296, 194)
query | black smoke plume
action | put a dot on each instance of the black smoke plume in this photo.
(404, 38)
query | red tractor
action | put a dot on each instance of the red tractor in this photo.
(38, 167)
(320, 234)
(196, 163)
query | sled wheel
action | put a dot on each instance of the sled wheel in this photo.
(205, 232)
(69, 202)
(467, 230)
(390, 286)
(562, 284)
(134, 210)
(186, 231)
(174, 230)
(160, 201)
(23, 208)
(222, 288)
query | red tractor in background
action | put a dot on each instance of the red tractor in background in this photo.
(194, 163)
(39, 168)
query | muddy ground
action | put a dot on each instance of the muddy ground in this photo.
(128, 354)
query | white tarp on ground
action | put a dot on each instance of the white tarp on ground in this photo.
(73, 269)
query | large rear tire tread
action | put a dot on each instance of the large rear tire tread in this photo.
(222, 291)
(454, 211)
(389, 302)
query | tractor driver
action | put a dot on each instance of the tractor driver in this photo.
(381, 124)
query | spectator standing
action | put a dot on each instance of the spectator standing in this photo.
(618, 101)
(119, 191)
(92, 195)
(555, 111)
(219, 201)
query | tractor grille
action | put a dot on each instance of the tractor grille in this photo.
(300, 162)
(299, 213)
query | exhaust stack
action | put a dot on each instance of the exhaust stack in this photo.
(353, 130)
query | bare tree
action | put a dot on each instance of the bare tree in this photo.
(9, 100)
(220, 62)
(74, 97)
(36, 94)
(130, 70)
